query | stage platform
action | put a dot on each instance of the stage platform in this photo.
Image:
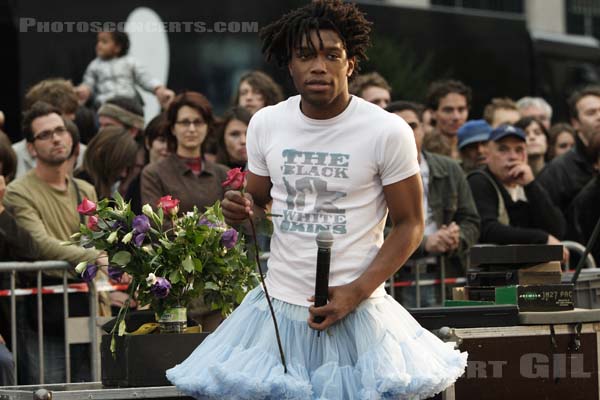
(90, 391)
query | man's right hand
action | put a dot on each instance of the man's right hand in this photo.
(439, 242)
(237, 207)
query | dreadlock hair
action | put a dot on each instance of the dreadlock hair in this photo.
(281, 37)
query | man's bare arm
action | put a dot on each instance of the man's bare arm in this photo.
(404, 200)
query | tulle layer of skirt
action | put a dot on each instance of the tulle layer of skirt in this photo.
(377, 352)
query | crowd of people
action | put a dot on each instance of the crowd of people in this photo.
(516, 176)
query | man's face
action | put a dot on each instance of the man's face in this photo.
(474, 155)
(587, 122)
(504, 155)
(451, 114)
(250, 98)
(413, 121)
(52, 142)
(537, 143)
(377, 95)
(321, 75)
(537, 113)
(505, 116)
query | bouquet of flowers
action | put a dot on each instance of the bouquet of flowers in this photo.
(170, 259)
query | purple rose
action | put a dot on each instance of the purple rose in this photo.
(115, 273)
(141, 224)
(206, 222)
(161, 288)
(139, 239)
(90, 272)
(229, 238)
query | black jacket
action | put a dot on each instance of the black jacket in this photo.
(584, 214)
(566, 175)
(15, 242)
(530, 221)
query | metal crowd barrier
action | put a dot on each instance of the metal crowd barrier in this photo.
(418, 265)
(40, 266)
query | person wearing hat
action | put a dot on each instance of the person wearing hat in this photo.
(513, 207)
(473, 137)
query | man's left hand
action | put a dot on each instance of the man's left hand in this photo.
(342, 300)
(521, 174)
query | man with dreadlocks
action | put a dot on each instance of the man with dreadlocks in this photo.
(328, 161)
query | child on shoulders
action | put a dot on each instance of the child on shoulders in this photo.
(115, 73)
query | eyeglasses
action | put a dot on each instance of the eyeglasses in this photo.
(187, 123)
(49, 134)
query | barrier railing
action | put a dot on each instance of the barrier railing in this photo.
(13, 268)
(417, 266)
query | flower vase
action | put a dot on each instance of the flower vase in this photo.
(172, 320)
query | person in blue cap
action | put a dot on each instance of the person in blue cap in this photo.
(514, 208)
(473, 137)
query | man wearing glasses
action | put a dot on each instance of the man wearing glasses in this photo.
(45, 202)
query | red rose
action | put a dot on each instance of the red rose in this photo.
(93, 223)
(169, 205)
(235, 178)
(86, 207)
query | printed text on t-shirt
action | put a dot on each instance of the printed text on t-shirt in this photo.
(310, 205)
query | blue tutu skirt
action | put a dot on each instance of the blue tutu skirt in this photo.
(377, 352)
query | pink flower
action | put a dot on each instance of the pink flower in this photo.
(86, 207)
(235, 179)
(92, 223)
(168, 204)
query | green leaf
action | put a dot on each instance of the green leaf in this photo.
(240, 296)
(198, 265)
(188, 264)
(167, 244)
(113, 345)
(174, 277)
(211, 286)
(122, 328)
(117, 197)
(98, 235)
(121, 258)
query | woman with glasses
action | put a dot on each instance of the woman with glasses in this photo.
(186, 174)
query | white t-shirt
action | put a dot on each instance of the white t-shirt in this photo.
(327, 175)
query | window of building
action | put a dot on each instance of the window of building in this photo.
(583, 17)
(509, 6)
